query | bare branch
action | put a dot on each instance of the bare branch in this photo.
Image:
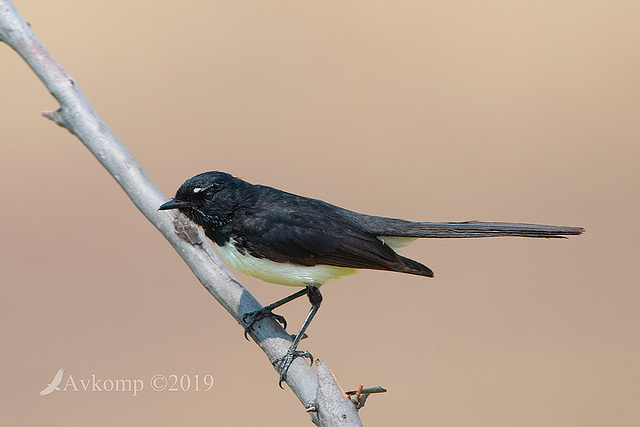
(78, 117)
(333, 407)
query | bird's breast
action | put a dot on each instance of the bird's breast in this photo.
(281, 273)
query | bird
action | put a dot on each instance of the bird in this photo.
(287, 239)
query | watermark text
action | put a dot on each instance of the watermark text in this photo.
(134, 386)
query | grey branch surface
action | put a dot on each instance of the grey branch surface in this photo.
(78, 117)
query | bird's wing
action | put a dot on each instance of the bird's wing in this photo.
(284, 235)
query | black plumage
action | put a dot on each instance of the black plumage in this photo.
(289, 239)
(265, 222)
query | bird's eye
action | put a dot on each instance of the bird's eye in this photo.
(211, 191)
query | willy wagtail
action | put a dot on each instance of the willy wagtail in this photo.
(292, 240)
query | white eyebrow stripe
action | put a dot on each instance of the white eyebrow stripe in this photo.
(198, 189)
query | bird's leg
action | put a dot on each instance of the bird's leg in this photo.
(315, 298)
(251, 318)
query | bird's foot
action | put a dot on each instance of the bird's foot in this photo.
(285, 361)
(251, 318)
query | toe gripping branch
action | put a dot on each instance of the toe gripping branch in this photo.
(283, 363)
(250, 319)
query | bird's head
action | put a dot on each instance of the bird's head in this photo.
(208, 199)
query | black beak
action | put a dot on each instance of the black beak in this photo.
(173, 204)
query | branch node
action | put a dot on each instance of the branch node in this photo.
(361, 394)
(56, 117)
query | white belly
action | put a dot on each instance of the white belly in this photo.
(280, 273)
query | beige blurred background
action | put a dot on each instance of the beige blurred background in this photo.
(508, 111)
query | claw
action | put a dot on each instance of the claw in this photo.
(285, 361)
(255, 316)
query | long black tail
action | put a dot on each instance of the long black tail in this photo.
(382, 226)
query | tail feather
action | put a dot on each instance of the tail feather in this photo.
(443, 230)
